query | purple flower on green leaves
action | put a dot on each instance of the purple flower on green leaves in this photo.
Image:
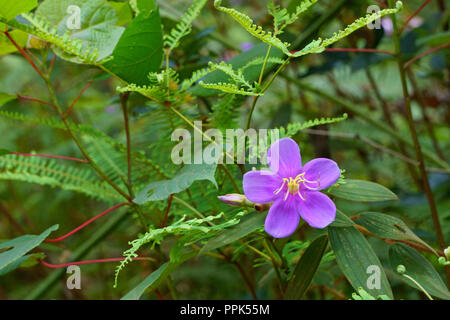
(293, 189)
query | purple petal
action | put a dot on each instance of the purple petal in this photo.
(317, 209)
(260, 185)
(324, 170)
(283, 218)
(284, 158)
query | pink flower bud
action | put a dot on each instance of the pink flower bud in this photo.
(233, 199)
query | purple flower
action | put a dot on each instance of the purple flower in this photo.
(293, 189)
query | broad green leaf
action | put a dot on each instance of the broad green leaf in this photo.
(5, 97)
(97, 24)
(251, 73)
(156, 277)
(123, 12)
(363, 191)
(139, 50)
(356, 257)
(143, 6)
(26, 261)
(306, 269)
(341, 220)
(9, 9)
(6, 46)
(18, 247)
(248, 224)
(161, 190)
(388, 227)
(419, 268)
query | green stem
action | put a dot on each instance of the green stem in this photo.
(418, 285)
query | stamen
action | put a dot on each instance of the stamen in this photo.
(300, 195)
(286, 195)
(280, 188)
(311, 188)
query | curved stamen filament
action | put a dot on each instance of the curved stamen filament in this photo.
(300, 195)
(280, 188)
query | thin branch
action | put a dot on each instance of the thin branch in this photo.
(23, 53)
(433, 50)
(76, 99)
(169, 205)
(123, 102)
(36, 100)
(86, 223)
(414, 14)
(49, 156)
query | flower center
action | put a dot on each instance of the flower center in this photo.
(293, 185)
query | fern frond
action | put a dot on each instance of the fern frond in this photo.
(224, 112)
(74, 47)
(180, 227)
(260, 60)
(184, 27)
(294, 128)
(319, 45)
(51, 173)
(196, 75)
(228, 88)
(152, 92)
(282, 18)
(253, 29)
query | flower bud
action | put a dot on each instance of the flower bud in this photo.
(447, 253)
(401, 269)
(233, 199)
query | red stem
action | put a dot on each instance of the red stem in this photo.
(357, 50)
(36, 100)
(24, 54)
(76, 99)
(381, 3)
(414, 14)
(433, 50)
(87, 222)
(169, 204)
(64, 265)
(48, 156)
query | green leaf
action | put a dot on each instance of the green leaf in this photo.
(18, 247)
(26, 261)
(363, 191)
(143, 6)
(388, 227)
(306, 269)
(161, 190)
(156, 277)
(418, 268)
(251, 73)
(139, 50)
(97, 24)
(123, 12)
(5, 97)
(4, 152)
(342, 220)
(9, 9)
(354, 255)
(248, 224)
